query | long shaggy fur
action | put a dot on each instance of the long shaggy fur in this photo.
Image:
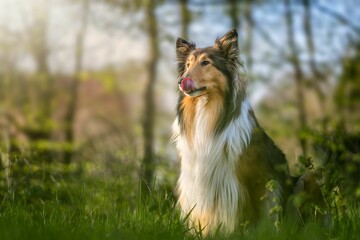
(226, 157)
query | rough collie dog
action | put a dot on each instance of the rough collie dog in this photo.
(231, 171)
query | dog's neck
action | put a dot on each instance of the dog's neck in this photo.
(198, 118)
(212, 110)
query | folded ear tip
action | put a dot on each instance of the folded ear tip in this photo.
(233, 32)
(179, 40)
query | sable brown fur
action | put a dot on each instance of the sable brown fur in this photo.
(227, 159)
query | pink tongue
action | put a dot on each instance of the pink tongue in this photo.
(187, 84)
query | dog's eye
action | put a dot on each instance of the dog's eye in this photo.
(204, 63)
(188, 65)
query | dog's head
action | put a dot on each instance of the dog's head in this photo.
(209, 70)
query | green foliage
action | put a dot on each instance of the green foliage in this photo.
(85, 206)
(339, 156)
(53, 202)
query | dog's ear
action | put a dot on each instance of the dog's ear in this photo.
(183, 49)
(228, 44)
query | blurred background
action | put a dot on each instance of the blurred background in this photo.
(88, 89)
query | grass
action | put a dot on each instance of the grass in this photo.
(151, 220)
(109, 207)
(96, 204)
(51, 221)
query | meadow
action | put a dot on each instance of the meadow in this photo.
(85, 205)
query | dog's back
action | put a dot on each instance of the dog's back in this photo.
(263, 169)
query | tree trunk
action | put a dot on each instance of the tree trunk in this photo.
(39, 47)
(299, 77)
(185, 19)
(147, 170)
(234, 14)
(40, 50)
(5, 159)
(318, 76)
(71, 111)
(249, 34)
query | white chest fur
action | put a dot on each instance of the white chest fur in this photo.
(208, 186)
